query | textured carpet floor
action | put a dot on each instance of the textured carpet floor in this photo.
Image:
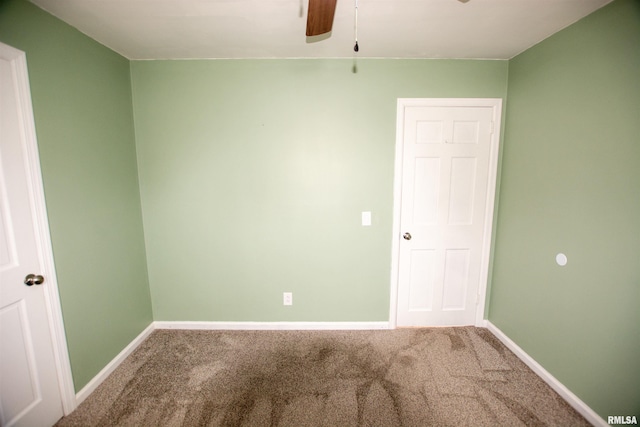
(407, 377)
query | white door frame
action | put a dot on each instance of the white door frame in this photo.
(403, 103)
(41, 227)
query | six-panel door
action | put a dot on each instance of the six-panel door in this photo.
(445, 176)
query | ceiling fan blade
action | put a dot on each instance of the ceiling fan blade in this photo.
(320, 16)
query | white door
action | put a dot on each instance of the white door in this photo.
(29, 384)
(448, 156)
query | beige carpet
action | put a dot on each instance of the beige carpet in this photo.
(406, 377)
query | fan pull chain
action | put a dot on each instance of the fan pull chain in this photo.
(355, 47)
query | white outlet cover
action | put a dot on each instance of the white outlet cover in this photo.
(287, 298)
(561, 259)
(366, 219)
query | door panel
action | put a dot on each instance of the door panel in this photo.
(421, 279)
(19, 375)
(456, 279)
(426, 184)
(445, 190)
(462, 190)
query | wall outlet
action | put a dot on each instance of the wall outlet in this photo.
(287, 298)
(366, 219)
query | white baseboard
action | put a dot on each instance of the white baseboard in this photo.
(560, 388)
(270, 326)
(111, 366)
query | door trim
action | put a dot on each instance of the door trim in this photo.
(403, 103)
(41, 227)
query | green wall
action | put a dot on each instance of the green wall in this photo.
(254, 174)
(81, 94)
(571, 184)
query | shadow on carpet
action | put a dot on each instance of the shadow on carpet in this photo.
(406, 377)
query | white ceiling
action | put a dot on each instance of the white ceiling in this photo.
(181, 29)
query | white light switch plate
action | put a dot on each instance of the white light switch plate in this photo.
(366, 219)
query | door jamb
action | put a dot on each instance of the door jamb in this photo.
(41, 227)
(403, 103)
